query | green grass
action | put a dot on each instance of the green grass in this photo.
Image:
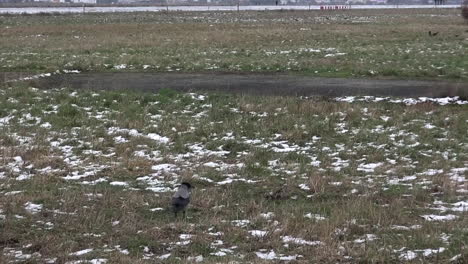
(345, 43)
(214, 140)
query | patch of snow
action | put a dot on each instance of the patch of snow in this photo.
(412, 254)
(211, 164)
(385, 118)
(217, 243)
(267, 215)
(407, 101)
(269, 256)
(18, 160)
(366, 238)
(272, 255)
(81, 252)
(120, 139)
(460, 206)
(5, 120)
(429, 126)
(431, 172)
(455, 258)
(118, 183)
(405, 228)
(33, 208)
(120, 66)
(185, 236)
(157, 138)
(23, 177)
(196, 259)
(334, 54)
(165, 256)
(122, 251)
(163, 167)
(258, 233)
(183, 243)
(300, 241)
(222, 252)
(408, 255)
(98, 261)
(370, 167)
(315, 216)
(46, 125)
(240, 223)
(19, 255)
(13, 193)
(432, 217)
(216, 234)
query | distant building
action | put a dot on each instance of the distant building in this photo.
(85, 1)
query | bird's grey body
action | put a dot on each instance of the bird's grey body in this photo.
(181, 198)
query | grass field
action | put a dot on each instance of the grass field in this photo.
(87, 176)
(350, 43)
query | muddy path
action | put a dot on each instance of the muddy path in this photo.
(260, 84)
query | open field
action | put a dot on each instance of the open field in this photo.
(86, 177)
(350, 43)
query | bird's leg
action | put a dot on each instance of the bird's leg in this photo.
(184, 213)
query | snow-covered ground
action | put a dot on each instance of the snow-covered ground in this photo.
(401, 148)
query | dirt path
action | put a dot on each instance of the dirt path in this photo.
(264, 84)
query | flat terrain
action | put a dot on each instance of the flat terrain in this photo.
(348, 43)
(88, 175)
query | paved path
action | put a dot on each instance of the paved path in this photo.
(264, 84)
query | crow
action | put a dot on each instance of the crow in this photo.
(181, 198)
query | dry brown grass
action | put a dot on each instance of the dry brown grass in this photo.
(184, 41)
(353, 204)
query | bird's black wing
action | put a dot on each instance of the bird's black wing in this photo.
(179, 203)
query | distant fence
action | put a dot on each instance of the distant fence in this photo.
(336, 7)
